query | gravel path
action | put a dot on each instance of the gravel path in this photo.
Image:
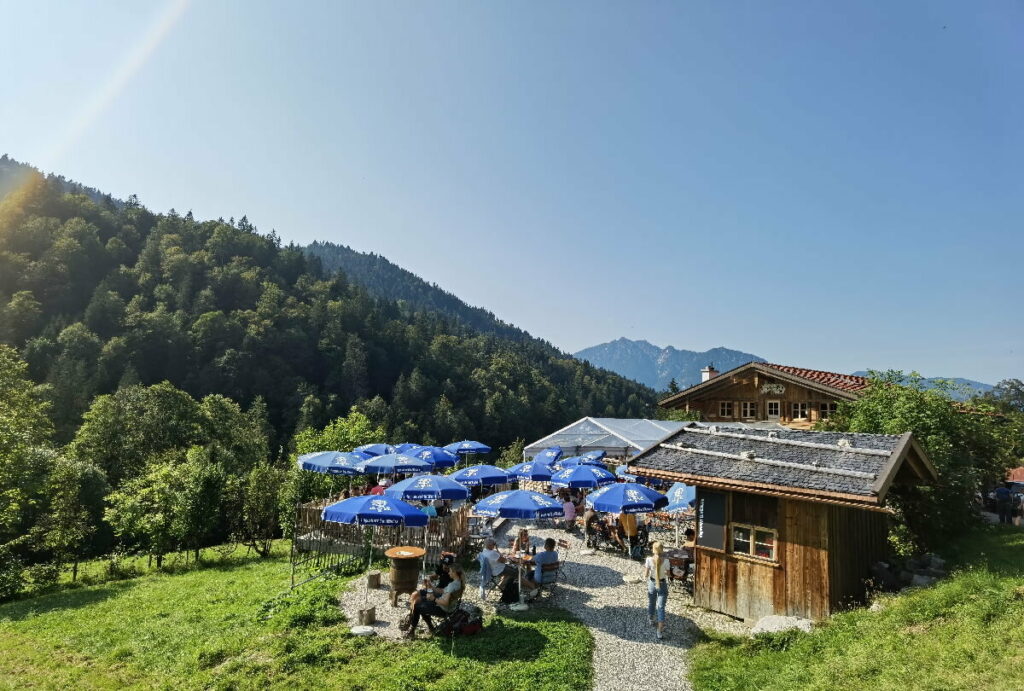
(598, 591)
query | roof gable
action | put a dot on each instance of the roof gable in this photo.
(842, 386)
(854, 468)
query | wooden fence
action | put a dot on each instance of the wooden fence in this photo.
(319, 546)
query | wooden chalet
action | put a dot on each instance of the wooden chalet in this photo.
(761, 391)
(788, 522)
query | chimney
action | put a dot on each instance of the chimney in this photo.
(708, 372)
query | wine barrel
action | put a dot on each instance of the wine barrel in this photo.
(405, 570)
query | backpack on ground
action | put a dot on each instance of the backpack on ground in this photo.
(474, 620)
(510, 592)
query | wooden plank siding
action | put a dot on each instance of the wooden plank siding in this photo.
(747, 388)
(857, 539)
(797, 584)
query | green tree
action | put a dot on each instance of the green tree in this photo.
(143, 511)
(673, 386)
(966, 448)
(260, 509)
(76, 491)
(199, 496)
(511, 454)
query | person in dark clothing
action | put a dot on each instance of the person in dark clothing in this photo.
(1004, 505)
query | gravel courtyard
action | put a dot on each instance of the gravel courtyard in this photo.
(598, 591)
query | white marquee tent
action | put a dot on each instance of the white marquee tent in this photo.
(619, 438)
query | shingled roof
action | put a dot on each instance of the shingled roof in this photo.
(832, 467)
(843, 382)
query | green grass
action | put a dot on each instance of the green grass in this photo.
(225, 626)
(966, 632)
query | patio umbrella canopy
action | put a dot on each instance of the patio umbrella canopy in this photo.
(435, 455)
(626, 497)
(680, 497)
(548, 456)
(330, 462)
(518, 503)
(538, 472)
(623, 472)
(468, 446)
(407, 447)
(427, 487)
(374, 510)
(582, 476)
(596, 455)
(578, 460)
(395, 463)
(477, 475)
(375, 449)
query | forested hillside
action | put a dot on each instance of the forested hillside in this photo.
(388, 281)
(97, 297)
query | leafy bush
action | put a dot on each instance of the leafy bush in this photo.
(42, 577)
(12, 578)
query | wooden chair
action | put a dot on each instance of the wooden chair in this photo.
(564, 549)
(549, 577)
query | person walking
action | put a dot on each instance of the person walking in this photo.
(656, 575)
(1004, 506)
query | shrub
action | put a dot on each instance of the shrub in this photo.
(12, 577)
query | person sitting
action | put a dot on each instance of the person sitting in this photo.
(437, 603)
(522, 541)
(569, 512)
(496, 563)
(433, 583)
(441, 507)
(593, 528)
(549, 555)
(380, 487)
(627, 532)
(428, 508)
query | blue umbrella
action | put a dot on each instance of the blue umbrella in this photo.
(582, 476)
(405, 448)
(680, 497)
(427, 487)
(394, 463)
(374, 509)
(548, 456)
(375, 449)
(330, 462)
(361, 455)
(438, 457)
(518, 503)
(476, 475)
(626, 497)
(467, 446)
(623, 472)
(578, 460)
(537, 472)
(596, 455)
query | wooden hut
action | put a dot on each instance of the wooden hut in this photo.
(788, 522)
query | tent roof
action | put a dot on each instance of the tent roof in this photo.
(616, 436)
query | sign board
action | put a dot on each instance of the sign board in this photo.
(711, 519)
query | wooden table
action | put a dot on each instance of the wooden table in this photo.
(405, 570)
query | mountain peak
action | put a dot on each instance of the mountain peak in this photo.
(656, 367)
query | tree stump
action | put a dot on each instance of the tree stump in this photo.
(373, 580)
(367, 617)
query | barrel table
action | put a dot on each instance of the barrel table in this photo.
(405, 570)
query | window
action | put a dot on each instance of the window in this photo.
(826, 410)
(799, 411)
(753, 541)
(773, 408)
(749, 408)
(725, 409)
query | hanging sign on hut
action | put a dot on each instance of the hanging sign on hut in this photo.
(711, 519)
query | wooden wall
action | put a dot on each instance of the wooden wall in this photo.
(747, 387)
(857, 539)
(796, 584)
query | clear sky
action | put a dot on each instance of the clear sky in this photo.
(829, 185)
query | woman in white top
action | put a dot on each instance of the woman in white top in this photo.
(656, 574)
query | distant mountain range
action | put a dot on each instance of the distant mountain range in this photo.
(656, 367)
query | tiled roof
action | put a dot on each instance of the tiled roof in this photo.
(812, 461)
(843, 382)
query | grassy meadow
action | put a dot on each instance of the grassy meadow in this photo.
(235, 625)
(966, 632)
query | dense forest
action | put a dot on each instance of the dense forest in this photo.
(385, 280)
(99, 296)
(158, 372)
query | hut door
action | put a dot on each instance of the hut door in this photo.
(773, 410)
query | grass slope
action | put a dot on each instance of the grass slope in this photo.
(966, 632)
(226, 627)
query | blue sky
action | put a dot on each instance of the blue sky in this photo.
(829, 185)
